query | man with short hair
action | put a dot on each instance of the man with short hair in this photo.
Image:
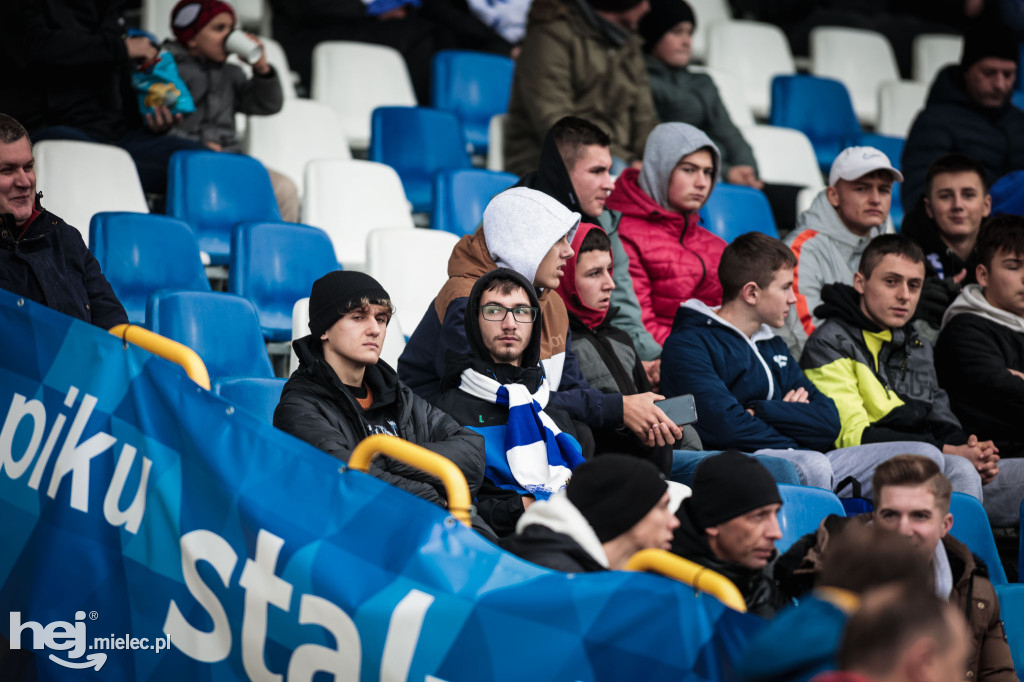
(43, 258)
(341, 393)
(730, 524)
(613, 507)
(881, 375)
(580, 58)
(831, 235)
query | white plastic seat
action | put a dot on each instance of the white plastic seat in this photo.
(80, 179)
(784, 155)
(394, 340)
(860, 59)
(302, 131)
(731, 92)
(898, 105)
(356, 78)
(753, 53)
(156, 17)
(496, 143)
(348, 199)
(706, 12)
(932, 51)
(411, 265)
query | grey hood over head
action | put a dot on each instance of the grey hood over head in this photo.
(666, 144)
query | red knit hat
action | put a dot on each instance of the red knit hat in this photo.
(190, 16)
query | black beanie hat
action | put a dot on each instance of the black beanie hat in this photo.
(336, 293)
(614, 5)
(986, 38)
(662, 18)
(728, 485)
(613, 492)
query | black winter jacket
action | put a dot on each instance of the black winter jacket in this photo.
(50, 264)
(317, 408)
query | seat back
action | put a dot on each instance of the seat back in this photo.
(356, 78)
(274, 265)
(821, 109)
(474, 86)
(258, 396)
(733, 98)
(156, 17)
(460, 197)
(496, 143)
(81, 179)
(931, 52)
(803, 509)
(784, 156)
(412, 265)
(860, 59)
(971, 527)
(394, 340)
(1011, 610)
(212, 191)
(140, 253)
(223, 329)
(706, 13)
(348, 199)
(754, 53)
(898, 105)
(303, 130)
(732, 210)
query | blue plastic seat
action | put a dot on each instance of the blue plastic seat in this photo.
(417, 142)
(803, 509)
(821, 108)
(971, 527)
(258, 396)
(212, 191)
(474, 86)
(460, 197)
(274, 265)
(140, 253)
(1011, 610)
(733, 210)
(223, 329)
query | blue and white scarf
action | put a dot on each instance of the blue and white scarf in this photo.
(539, 458)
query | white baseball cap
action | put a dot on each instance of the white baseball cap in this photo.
(854, 163)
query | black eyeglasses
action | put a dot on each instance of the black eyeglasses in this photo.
(522, 314)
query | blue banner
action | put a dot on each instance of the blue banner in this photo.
(150, 531)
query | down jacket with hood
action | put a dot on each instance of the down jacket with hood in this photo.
(317, 408)
(671, 257)
(555, 534)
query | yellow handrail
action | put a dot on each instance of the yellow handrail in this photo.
(686, 571)
(166, 348)
(454, 481)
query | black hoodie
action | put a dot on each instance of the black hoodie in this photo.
(552, 178)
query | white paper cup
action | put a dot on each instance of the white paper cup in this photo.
(245, 47)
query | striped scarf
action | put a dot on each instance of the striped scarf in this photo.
(539, 458)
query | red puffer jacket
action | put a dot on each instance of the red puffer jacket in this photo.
(667, 248)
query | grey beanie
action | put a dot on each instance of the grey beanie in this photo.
(666, 144)
(521, 225)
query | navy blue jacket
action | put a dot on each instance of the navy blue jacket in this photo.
(715, 362)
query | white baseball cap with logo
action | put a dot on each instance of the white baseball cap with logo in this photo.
(854, 163)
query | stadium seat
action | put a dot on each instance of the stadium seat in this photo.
(896, 209)
(932, 51)
(412, 265)
(258, 396)
(356, 78)
(821, 109)
(1011, 610)
(731, 92)
(213, 191)
(302, 131)
(784, 156)
(706, 12)
(394, 340)
(140, 253)
(971, 527)
(223, 329)
(496, 143)
(81, 179)
(898, 105)
(860, 59)
(156, 17)
(460, 197)
(474, 86)
(754, 53)
(803, 509)
(275, 264)
(418, 142)
(347, 199)
(733, 210)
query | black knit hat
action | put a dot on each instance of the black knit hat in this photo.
(986, 38)
(338, 292)
(662, 18)
(728, 485)
(613, 492)
(614, 5)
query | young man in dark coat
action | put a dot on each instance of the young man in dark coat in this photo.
(43, 258)
(342, 393)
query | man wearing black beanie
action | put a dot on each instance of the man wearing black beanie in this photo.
(730, 525)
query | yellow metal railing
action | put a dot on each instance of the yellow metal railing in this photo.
(686, 571)
(454, 481)
(167, 349)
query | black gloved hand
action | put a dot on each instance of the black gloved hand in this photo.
(936, 295)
